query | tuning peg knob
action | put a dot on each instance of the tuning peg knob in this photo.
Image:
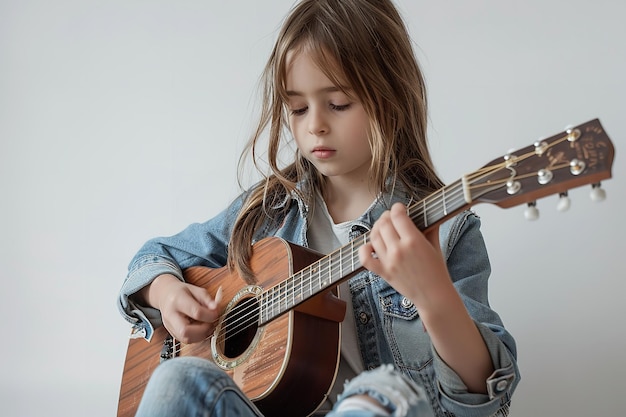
(597, 192)
(531, 212)
(573, 133)
(513, 187)
(564, 202)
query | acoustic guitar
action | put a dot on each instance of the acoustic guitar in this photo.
(279, 340)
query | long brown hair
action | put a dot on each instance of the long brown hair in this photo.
(365, 44)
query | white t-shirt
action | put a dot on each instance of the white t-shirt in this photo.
(325, 236)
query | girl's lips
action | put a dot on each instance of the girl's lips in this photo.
(323, 153)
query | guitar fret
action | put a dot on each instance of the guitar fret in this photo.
(330, 268)
(351, 258)
(281, 296)
(278, 298)
(340, 262)
(287, 292)
(295, 288)
(300, 296)
(320, 276)
(310, 282)
(266, 309)
(467, 195)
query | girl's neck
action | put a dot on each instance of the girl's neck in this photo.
(347, 201)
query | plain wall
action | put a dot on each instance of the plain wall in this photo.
(124, 120)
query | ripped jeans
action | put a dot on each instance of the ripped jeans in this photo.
(194, 387)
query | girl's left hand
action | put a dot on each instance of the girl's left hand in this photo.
(409, 260)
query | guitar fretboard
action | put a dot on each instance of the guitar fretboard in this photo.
(340, 264)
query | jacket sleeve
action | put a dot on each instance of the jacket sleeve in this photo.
(468, 264)
(200, 244)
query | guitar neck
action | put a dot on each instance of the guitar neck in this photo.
(344, 262)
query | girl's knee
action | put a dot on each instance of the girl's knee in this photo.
(185, 368)
(396, 393)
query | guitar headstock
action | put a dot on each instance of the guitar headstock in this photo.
(577, 156)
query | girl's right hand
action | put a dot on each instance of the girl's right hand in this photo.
(188, 312)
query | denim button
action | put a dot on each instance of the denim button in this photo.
(406, 303)
(501, 385)
(363, 318)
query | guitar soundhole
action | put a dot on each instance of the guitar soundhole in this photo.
(240, 327)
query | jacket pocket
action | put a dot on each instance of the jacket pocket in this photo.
(404, 330)
(396, 305)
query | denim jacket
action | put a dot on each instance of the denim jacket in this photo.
(389, 327)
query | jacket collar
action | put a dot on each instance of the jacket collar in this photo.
(382, 203)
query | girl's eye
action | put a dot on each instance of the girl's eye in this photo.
(298, 112)
(335, 107)
(340, 107)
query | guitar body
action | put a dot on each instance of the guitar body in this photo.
(269, 362)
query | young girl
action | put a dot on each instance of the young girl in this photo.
(419, 337)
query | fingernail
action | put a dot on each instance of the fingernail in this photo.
(216, 299)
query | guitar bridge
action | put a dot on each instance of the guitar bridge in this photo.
(169, 349)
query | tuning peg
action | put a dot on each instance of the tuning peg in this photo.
(510, 158)
(564, 202)
(572, 133)
(541, 146)
(597, 192)
(512, 187)
(531, 212)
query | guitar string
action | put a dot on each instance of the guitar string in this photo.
(454, 195)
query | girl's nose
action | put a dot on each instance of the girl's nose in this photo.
(317, 123)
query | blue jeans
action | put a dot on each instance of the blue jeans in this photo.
(194, 387)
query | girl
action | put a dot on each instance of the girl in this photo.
(343, 82)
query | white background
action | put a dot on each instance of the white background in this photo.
(123, 120)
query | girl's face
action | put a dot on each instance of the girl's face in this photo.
(330, 128)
